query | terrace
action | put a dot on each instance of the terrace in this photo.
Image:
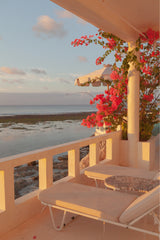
(25, 218)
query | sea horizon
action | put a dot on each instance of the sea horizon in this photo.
(9, 110)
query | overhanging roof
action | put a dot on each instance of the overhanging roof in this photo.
(124, 18)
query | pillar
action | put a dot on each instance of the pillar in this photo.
(133, 111)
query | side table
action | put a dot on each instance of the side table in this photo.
(130, 184)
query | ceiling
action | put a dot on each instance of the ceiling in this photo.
(124, 18)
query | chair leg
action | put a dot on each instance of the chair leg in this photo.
(53, 221)
(156, 219)
(96, 182)
(104, 227)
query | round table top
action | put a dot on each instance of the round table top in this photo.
(130, 184)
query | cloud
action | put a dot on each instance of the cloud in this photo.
(64, 14)
(0, 37)
(82, 59)
(3, 89)
(38, 71)
(66, 80)
(45, 88)
(30, 77)
(87, 93)
(13, 71)
(47, 26)
(44, 79)
(17, 81)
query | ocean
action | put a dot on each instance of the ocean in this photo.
(20, 137)
(46, 109)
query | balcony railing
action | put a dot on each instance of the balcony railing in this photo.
(15, 211)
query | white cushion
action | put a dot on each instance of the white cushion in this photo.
(141, 205)
(97, 202)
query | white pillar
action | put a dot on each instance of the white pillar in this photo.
(133, 111)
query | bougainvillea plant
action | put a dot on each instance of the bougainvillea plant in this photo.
(112, 105)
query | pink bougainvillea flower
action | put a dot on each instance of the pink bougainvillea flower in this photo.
(114, 75)
(112, 43)
(100, 124)
(108, 130)
(112, 106)
(155, 54)
(146, 70)
(118, 57)
(84, 37)
(142, 59)
(148, 98)
(107, 123)
(150, 35)
(91, 102)
(99, 60)
(125, 49)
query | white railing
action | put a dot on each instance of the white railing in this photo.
(14, 212)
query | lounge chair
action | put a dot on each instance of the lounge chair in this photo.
(121, 209)
(103, 170)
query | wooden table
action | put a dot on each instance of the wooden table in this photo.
(130, 184)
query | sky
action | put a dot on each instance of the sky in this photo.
(37, 60)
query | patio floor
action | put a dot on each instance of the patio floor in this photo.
(40, 228)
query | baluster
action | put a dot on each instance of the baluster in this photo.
(73, 163)
(45, 172)
(93, 154)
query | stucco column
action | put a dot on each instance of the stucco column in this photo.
(133, 111)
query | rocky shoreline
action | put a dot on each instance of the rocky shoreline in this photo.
(34, 119)
(26, 176)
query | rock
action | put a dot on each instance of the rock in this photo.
(64, 174)
(84, 151)
(56, 177)
(35, 178)
(32, 163)
(60, 165)
(60, 175)
(20, 184)
(63, 158)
